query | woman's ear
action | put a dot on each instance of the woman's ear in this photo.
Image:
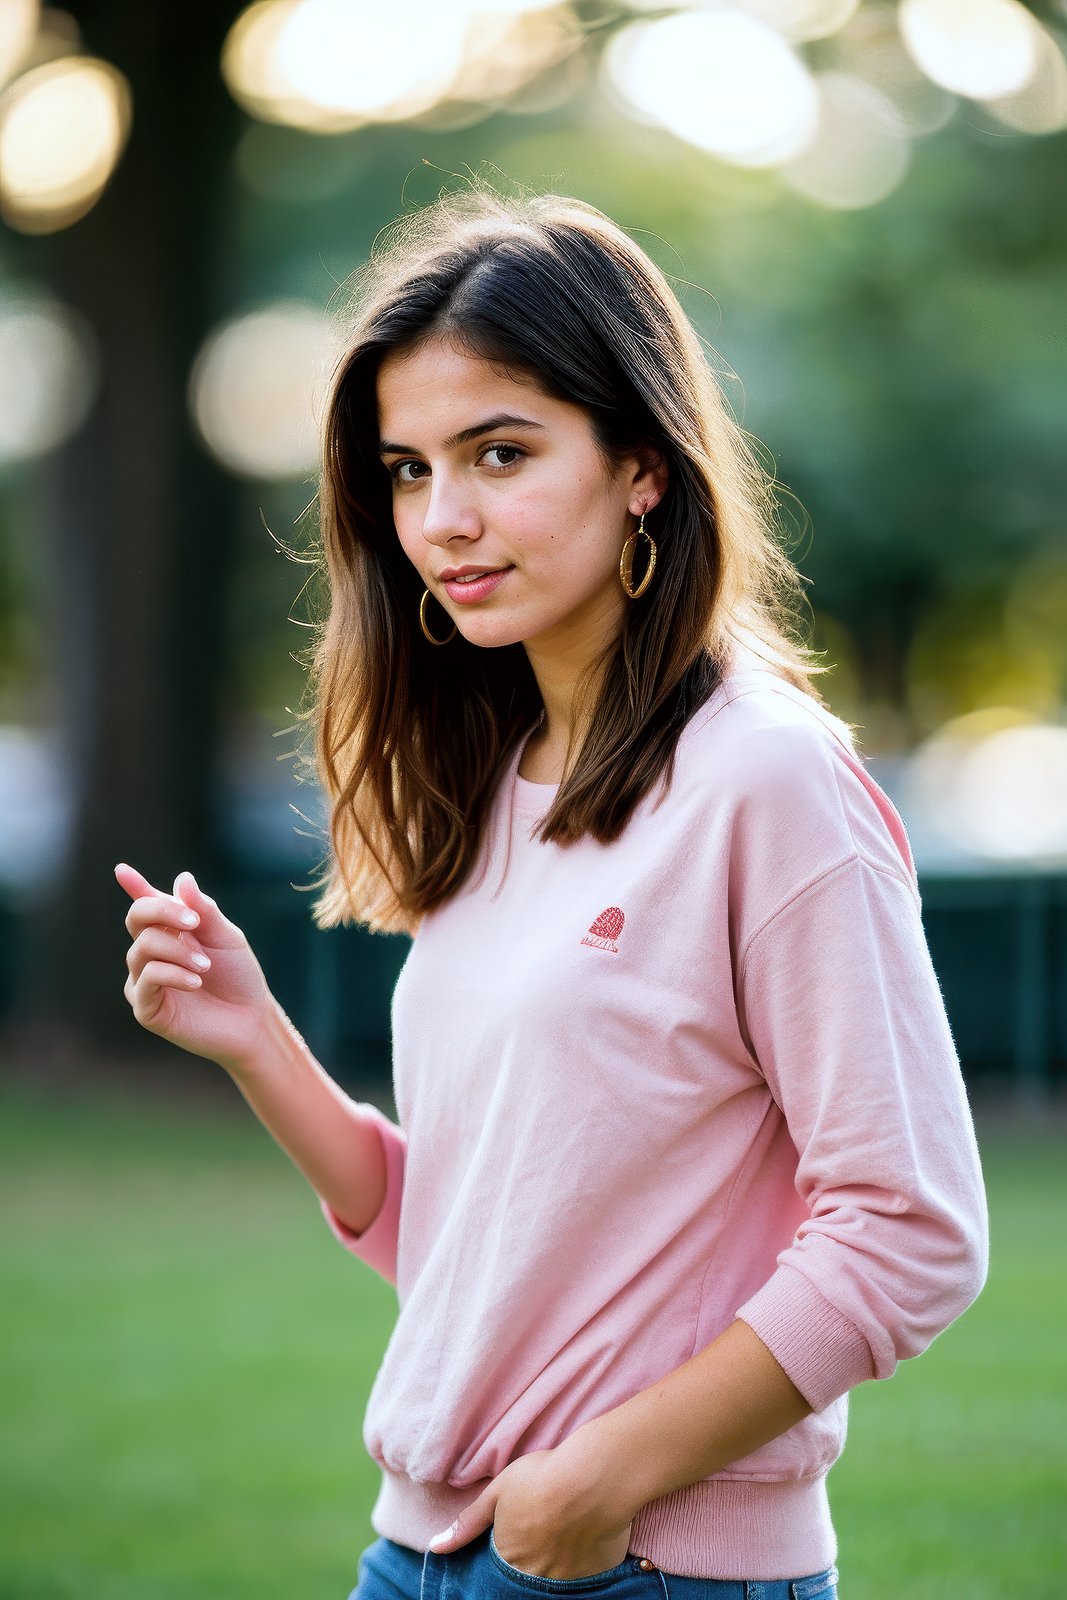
(650, 479)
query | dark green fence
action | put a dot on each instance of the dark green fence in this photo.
(999, 946)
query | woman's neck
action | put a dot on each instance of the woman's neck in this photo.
(542, 761)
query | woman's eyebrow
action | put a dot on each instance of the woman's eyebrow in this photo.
(465, 436)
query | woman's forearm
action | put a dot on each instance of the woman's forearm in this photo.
(334, 1143)
(723, 1403)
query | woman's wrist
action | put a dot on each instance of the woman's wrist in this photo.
(272, 1041)
(594, 1469)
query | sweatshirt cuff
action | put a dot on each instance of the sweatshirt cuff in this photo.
(377, 1244)
(821, 1352)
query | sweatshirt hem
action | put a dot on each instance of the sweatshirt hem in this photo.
(725, 1528)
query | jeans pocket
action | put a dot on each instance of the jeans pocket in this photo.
(820, 1586)
(531, 1580)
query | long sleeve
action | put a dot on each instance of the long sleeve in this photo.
(839, 998)
(377, 1244)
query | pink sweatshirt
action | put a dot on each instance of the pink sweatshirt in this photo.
(643, 1089)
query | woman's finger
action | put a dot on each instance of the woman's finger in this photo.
(166, 944)
(215, 927)
(151, 904)
(154, 910)
(135, 883)
(163, 975)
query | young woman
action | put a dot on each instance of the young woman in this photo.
(683, 1150)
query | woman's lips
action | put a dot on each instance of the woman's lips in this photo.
(476, 588)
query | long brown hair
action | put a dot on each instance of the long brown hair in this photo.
(410, 739)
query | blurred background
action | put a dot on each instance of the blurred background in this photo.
(862, 206)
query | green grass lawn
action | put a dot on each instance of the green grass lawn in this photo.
(187, 1354)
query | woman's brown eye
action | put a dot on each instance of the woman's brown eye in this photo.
(510, 450)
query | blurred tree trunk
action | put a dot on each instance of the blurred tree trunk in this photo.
(144, 525)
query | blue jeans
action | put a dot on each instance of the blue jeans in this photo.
(477, 1571)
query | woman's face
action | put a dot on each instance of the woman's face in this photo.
(489, 472)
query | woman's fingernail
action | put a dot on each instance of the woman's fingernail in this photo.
(443, 1538)
(190, 919)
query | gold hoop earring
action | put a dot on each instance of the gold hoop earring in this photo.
(422, 621)
(626, 562)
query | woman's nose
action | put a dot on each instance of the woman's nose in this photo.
(448, 510)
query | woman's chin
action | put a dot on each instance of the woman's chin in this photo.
(491, 633)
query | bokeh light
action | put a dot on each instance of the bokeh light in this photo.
(330, 66)
(1013, 786)
(978, 48)
(511, 8)
(505, 50)
(257, 386)
(870, 47)
(18, 24)
(721, 80)
(63, 126)
(49, 374)
(802, 20)
(859, 152)
(340, 57)
(995, 782)
(255, 74)
(1040, 106)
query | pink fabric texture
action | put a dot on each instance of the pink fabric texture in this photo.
(645, 1088)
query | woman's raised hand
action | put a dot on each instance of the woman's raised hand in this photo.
(193, 977)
